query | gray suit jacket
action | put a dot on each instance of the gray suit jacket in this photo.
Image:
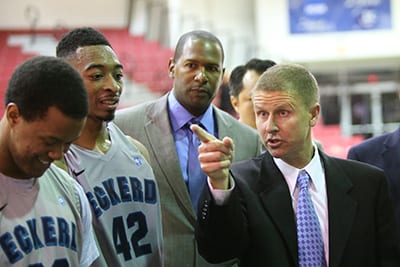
(149, 123)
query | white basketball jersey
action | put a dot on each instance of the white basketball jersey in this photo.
(40, 221)
(123, 193)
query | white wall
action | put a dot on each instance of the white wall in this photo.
(231, 20)
(247, 28)
(261, 28)
(68, 13)
(328, 49)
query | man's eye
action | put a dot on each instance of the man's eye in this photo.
(213, 69)
(283, 113)
(261, 113)
(49, 143)
(96, 76)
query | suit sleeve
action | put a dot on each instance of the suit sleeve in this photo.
(352, 154)
(221, 231)
(387, 234)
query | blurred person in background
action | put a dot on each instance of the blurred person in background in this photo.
(223, 98)
(241, 81)
(383, 151)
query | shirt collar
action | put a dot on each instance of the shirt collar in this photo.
(314, 169)
(179, 115)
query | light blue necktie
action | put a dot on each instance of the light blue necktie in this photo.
(309, 237)
(196, 177)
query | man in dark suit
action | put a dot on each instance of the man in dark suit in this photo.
(255, 211)
(241, 81)
(383, 151)
(197, 70)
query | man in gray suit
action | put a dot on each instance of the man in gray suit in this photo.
(161, 125)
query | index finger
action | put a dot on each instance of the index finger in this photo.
(202, 134)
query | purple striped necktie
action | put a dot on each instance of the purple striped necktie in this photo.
(309, 237)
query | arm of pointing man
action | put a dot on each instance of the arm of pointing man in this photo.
(220, 231)
(215, 157)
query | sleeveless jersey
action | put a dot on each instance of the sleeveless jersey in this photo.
(122, 190)
(40, 221)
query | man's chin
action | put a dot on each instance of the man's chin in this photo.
(276, 153)
(107, 118)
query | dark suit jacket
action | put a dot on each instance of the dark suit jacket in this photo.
(257, 224)
(149, 123)
(383, 152)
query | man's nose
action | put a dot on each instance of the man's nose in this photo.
(201, 76)
(270, 125)
(113, 85)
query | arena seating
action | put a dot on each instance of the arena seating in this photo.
(146, 62)
(10, 58)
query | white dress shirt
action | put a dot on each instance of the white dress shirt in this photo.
(317, 190)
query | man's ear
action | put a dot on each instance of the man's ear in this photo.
(171, 68)
(235, 103)
(315, 110)
(12, 113)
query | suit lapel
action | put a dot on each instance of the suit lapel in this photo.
(158, 131)
(225, 128)
(223, 125)
(275, 197)
(341, 208)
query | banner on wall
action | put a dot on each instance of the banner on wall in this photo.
(322, 16)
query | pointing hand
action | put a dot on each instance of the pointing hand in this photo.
(215, 157)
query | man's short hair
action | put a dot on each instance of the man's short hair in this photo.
(79, 37)
(292, 78)
(194, 35)
(236, 78)
(259, 65)
(42, 82)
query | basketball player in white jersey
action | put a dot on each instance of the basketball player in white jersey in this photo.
(45, 219)
(118, 180)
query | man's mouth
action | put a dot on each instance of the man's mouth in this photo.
(110, 102)
(199, 90)
(273, 143)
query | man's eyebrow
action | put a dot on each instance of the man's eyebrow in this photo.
(97, 66)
